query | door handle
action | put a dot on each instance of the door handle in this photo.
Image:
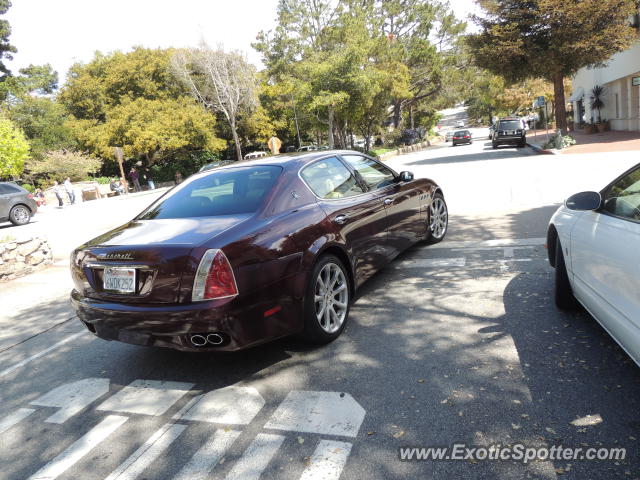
(341, 219)
(388, 201)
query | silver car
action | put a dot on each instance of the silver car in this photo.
(16, 204)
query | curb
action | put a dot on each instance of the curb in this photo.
(543, 151)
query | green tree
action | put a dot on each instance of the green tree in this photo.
(44, 123)
(14, 149)
(6, 49)
(60, 164)
(552, 39)
(132, 100)
(151, 129)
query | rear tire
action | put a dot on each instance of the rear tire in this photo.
(563, 292)
(437, 220)
(20, 215)
(327, 301)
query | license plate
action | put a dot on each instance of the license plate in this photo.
(121, 280)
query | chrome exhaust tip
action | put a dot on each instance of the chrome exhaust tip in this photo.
(215, 339)
(198, 340)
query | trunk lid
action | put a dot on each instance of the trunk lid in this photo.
(155, 253)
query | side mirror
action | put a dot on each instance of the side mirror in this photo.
(584, 201)
(406, 176)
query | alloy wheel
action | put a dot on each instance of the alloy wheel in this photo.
(20, 215)
(438, 218)
(331, 298)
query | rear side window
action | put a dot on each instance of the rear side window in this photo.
(7, 189)
(329, 178)
(223, 192)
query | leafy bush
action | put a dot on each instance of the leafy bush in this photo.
(564, 142)
(28, 187)
(61, 164)
(185, 163)
(102, 180)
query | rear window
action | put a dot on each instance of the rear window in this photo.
(510, 125)
(224, 192)
(462, 133)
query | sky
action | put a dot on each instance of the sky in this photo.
(63, 32)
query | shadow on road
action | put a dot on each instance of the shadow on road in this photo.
(464, 355)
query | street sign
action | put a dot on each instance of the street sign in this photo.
(539, 102)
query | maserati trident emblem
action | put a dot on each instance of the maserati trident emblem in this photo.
(115, 256)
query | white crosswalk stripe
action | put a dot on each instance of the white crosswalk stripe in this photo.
(310, 412)
(147, 453)
(72, 398)
(327, 461)
(13, 418)
(79, 448)
(256, 457)
(147, 397)
(208, 456)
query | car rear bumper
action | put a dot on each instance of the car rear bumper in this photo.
(173, 326)
(510, 140)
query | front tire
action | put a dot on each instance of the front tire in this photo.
(19, 215)
(327, 301)
(438, 219)
(563, 292)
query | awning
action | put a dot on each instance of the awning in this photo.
(577, 94)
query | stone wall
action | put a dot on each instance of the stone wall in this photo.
(21, 257)
(408, 149)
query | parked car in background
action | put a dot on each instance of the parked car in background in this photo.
(461, 137)
(247, 253)
(459, 124)
(17, 205)
(308, 148)
(253, 155)
(216, 164)
(509, 131)
(448, 136)
(593, 241)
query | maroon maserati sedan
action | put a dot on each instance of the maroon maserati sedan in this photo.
(254, 251)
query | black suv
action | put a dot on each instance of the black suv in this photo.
(509, 131)
(16, 204)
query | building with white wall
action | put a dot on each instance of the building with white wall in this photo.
(620, 78)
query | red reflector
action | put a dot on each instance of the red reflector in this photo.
(220, 281)
(30, 196)
(272, 311)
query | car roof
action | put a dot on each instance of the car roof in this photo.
(291, 159)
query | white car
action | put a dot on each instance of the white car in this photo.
(253, 155)
(594, 245)
(460, 124)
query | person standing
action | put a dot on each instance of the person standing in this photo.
(69, 188)
(146, 174)
(178, 178)
(135, 178)
(58, 190)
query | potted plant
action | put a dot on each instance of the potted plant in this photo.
(597, 93)
(589, 128)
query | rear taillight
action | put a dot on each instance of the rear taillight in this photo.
(214, 278)
(30, 196)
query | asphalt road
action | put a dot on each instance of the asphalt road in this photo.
(454, 343)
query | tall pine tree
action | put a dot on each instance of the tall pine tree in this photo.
(6, 49)
(551, 38)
